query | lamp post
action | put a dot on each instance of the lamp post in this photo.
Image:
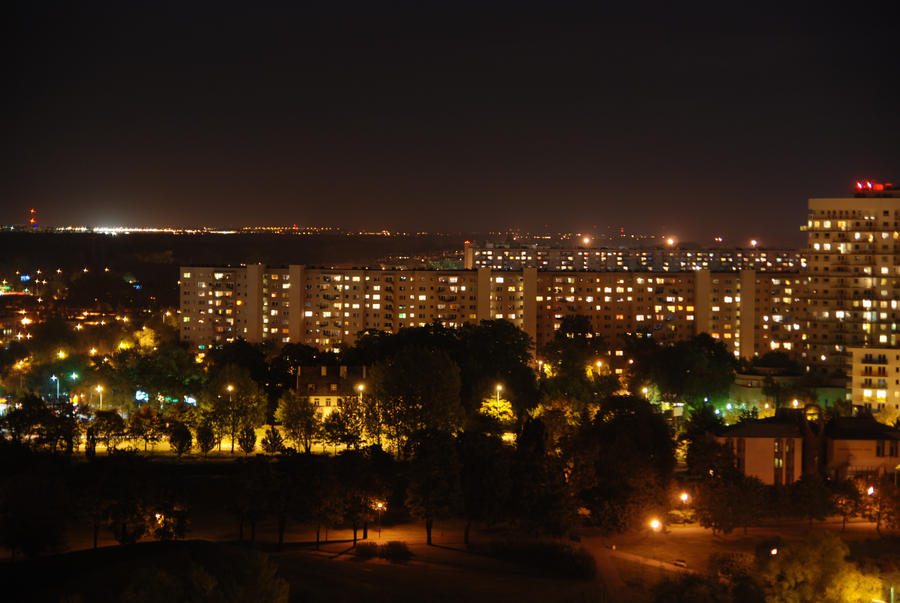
(230, 389)
(359, 389)
(379, 507)
(100, 391)
(55, 379)
(499, 389)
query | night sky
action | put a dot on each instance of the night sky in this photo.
(658, 117)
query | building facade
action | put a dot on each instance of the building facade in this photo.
(327, 308)
(853, 254)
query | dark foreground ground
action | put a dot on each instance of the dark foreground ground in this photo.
(205, 571)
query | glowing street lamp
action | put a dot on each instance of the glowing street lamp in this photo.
(870, 491)
(773, 552)
(359, 389)
(230, 389)
(55, 379)
(61, 354)
(684, 498)
(380, 507)
(499, 389)
(100, 391)
(655, 525)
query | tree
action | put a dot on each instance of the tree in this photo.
(433, 491)
(541, 499)
(235, 402)
(417, 388)
(299, 418)
(251, 493)
(811, 497)
(723, 504)
(180, 439)
(485, 478)
(109, 427)
(144, 424)
(815, 570)
(334, 429)
(845, 497)
(206, 438)
(620, 464)
(273, 442)
(168, 521)
(492, 352)
(247, 439)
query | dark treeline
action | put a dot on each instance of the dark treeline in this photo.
(154, 258)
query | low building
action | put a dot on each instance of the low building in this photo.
(861, 446)
(328, 386)
(875, 381)
(777, 450)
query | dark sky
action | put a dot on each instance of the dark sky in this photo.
(699, 121)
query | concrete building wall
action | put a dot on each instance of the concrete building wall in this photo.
(853, 249)
(875, 379)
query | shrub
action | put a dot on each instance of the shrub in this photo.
(550, 557)
(395, 551)
(366, 550)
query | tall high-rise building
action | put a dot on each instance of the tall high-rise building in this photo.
(853, 271)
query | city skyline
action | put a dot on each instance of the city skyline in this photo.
(684, 122)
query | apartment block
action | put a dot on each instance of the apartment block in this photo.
(853, 273)
(750, 312)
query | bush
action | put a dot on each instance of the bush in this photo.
(395, 551)
(550, 557)
(366, 550)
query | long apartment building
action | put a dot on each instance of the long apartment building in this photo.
(751, 312)
(658, 259)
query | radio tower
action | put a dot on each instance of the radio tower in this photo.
(32, 218)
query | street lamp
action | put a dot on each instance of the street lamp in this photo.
(100, 391)
(230, 389)
(499, 389)
(380, 507)
(655, 525)
(684, 498)
(870, 491)
(55, 379)
(360, 388)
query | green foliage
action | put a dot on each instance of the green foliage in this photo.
(724, 504)
(144, 424)
(689, 370)
(620, 464)
(433, 491)
(109, 426)
(815, 570)
(206, 438)
(273, 441)
(180, 439)
(395, 551)
(417, 388)
(541, 500)
(485, 477)
(811, 497)
(691, 588)
(243, 406)
(299, 418)
(167, 521)
(247, 439)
